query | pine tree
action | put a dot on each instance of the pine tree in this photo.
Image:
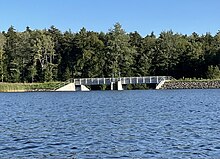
(2, 56)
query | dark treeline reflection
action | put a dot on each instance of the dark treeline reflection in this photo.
(52, 55)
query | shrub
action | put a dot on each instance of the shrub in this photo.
(213, 72)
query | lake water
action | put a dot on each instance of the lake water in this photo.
(110, 124)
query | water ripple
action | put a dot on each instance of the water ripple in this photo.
(111, 124)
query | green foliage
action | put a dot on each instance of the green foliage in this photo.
(47, 75)
(50, 55)
(90, 59)
(119, 53)
(213, 72)
(67, 74)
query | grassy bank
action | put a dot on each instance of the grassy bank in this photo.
(24, 87)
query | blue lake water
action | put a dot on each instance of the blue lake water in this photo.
(110, 124)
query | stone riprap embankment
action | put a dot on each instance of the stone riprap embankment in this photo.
(191, 85)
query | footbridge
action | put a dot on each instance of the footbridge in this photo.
(81, 83)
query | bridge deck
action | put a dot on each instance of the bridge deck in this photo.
(124, 80)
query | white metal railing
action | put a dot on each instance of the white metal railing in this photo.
(124, 80)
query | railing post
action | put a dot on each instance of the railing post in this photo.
(112, 86)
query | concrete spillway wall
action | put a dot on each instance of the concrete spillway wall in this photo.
(72, 87)
(68, 87)
(191, 85)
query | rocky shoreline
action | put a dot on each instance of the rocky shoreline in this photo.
(191, 85)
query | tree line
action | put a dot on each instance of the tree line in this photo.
(52, 55)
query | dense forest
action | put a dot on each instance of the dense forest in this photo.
(52, 55)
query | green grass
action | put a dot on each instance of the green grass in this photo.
(22, 87)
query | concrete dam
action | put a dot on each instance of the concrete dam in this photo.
(79, 84)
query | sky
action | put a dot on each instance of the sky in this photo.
(143, 16)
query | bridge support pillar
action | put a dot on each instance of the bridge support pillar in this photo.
(84, 88)
(112, 86)
(119, 86)
(81, 88)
